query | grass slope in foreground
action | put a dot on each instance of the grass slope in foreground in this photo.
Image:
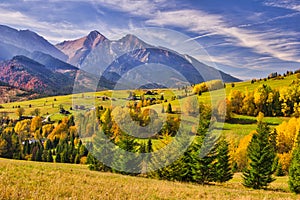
(33, 180)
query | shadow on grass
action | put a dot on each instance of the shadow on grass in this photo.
(241, 121)
(277, 190)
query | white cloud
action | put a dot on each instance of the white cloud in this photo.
(54, 32)
(287, 4)
(144, 8)
(200, 22)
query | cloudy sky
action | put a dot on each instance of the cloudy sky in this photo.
(246, 38)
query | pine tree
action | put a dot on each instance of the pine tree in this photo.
(206, 164)
(279, 171)
(58, 158)
(223, 168)
(261, 155)
(77, 159)
(49, 157)
(44, 156)
(64, 157)
(101, 157)
(47, 144)
(149, 148)
(294, 171)
(129, 162)
(169, 109)
(38, 155)
(162, 109)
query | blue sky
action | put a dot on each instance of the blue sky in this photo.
(246, 38)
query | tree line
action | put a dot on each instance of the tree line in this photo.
(271, 102)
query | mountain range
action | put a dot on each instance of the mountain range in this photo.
(30, 63)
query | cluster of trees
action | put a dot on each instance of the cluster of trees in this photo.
(283, 102)
(265, 152)
(32, 140)
(207, 86)
(284, 142)
(206, 159)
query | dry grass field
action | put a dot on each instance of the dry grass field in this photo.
(33, 180)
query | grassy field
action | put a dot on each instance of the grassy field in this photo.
(33, 180)
(50, 105)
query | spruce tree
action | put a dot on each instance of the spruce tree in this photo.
(206, 161)
(169, 109)
(149, 148)
(261, 154)
(223, 168)
(38, 155)
(129, 162)
(294, 171)
(58, 158)
(44, 155)
(102, 152)
(49, 157)
(279, 171)
(77, 159)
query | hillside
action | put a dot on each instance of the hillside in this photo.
(27, 74)
(33, 180)
(14, 42)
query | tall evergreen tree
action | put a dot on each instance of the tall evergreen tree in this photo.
(294, 171)
(261, 154)
(38, 155)
(77, 159)
(149, 148)
(223, 168)
(206, 159)
(58, 158)
(169, 108)
(44, 155)
(49, 157)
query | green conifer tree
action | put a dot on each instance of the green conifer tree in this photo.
(294, 170)
(77, 159)
(50, 156)
(58, 158)
(223, 168)
(261, 155)
(169, 109)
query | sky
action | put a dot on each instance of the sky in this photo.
(245, 38)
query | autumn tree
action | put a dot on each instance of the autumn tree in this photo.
(36, 123)
(236, 98)
(36, 112)
(20, 112)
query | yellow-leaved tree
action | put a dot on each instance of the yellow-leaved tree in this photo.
(287, 133)
(240, 155)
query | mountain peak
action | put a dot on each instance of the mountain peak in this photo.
(94, 33)
(26, 40)
(130, 37)
(93, 39)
